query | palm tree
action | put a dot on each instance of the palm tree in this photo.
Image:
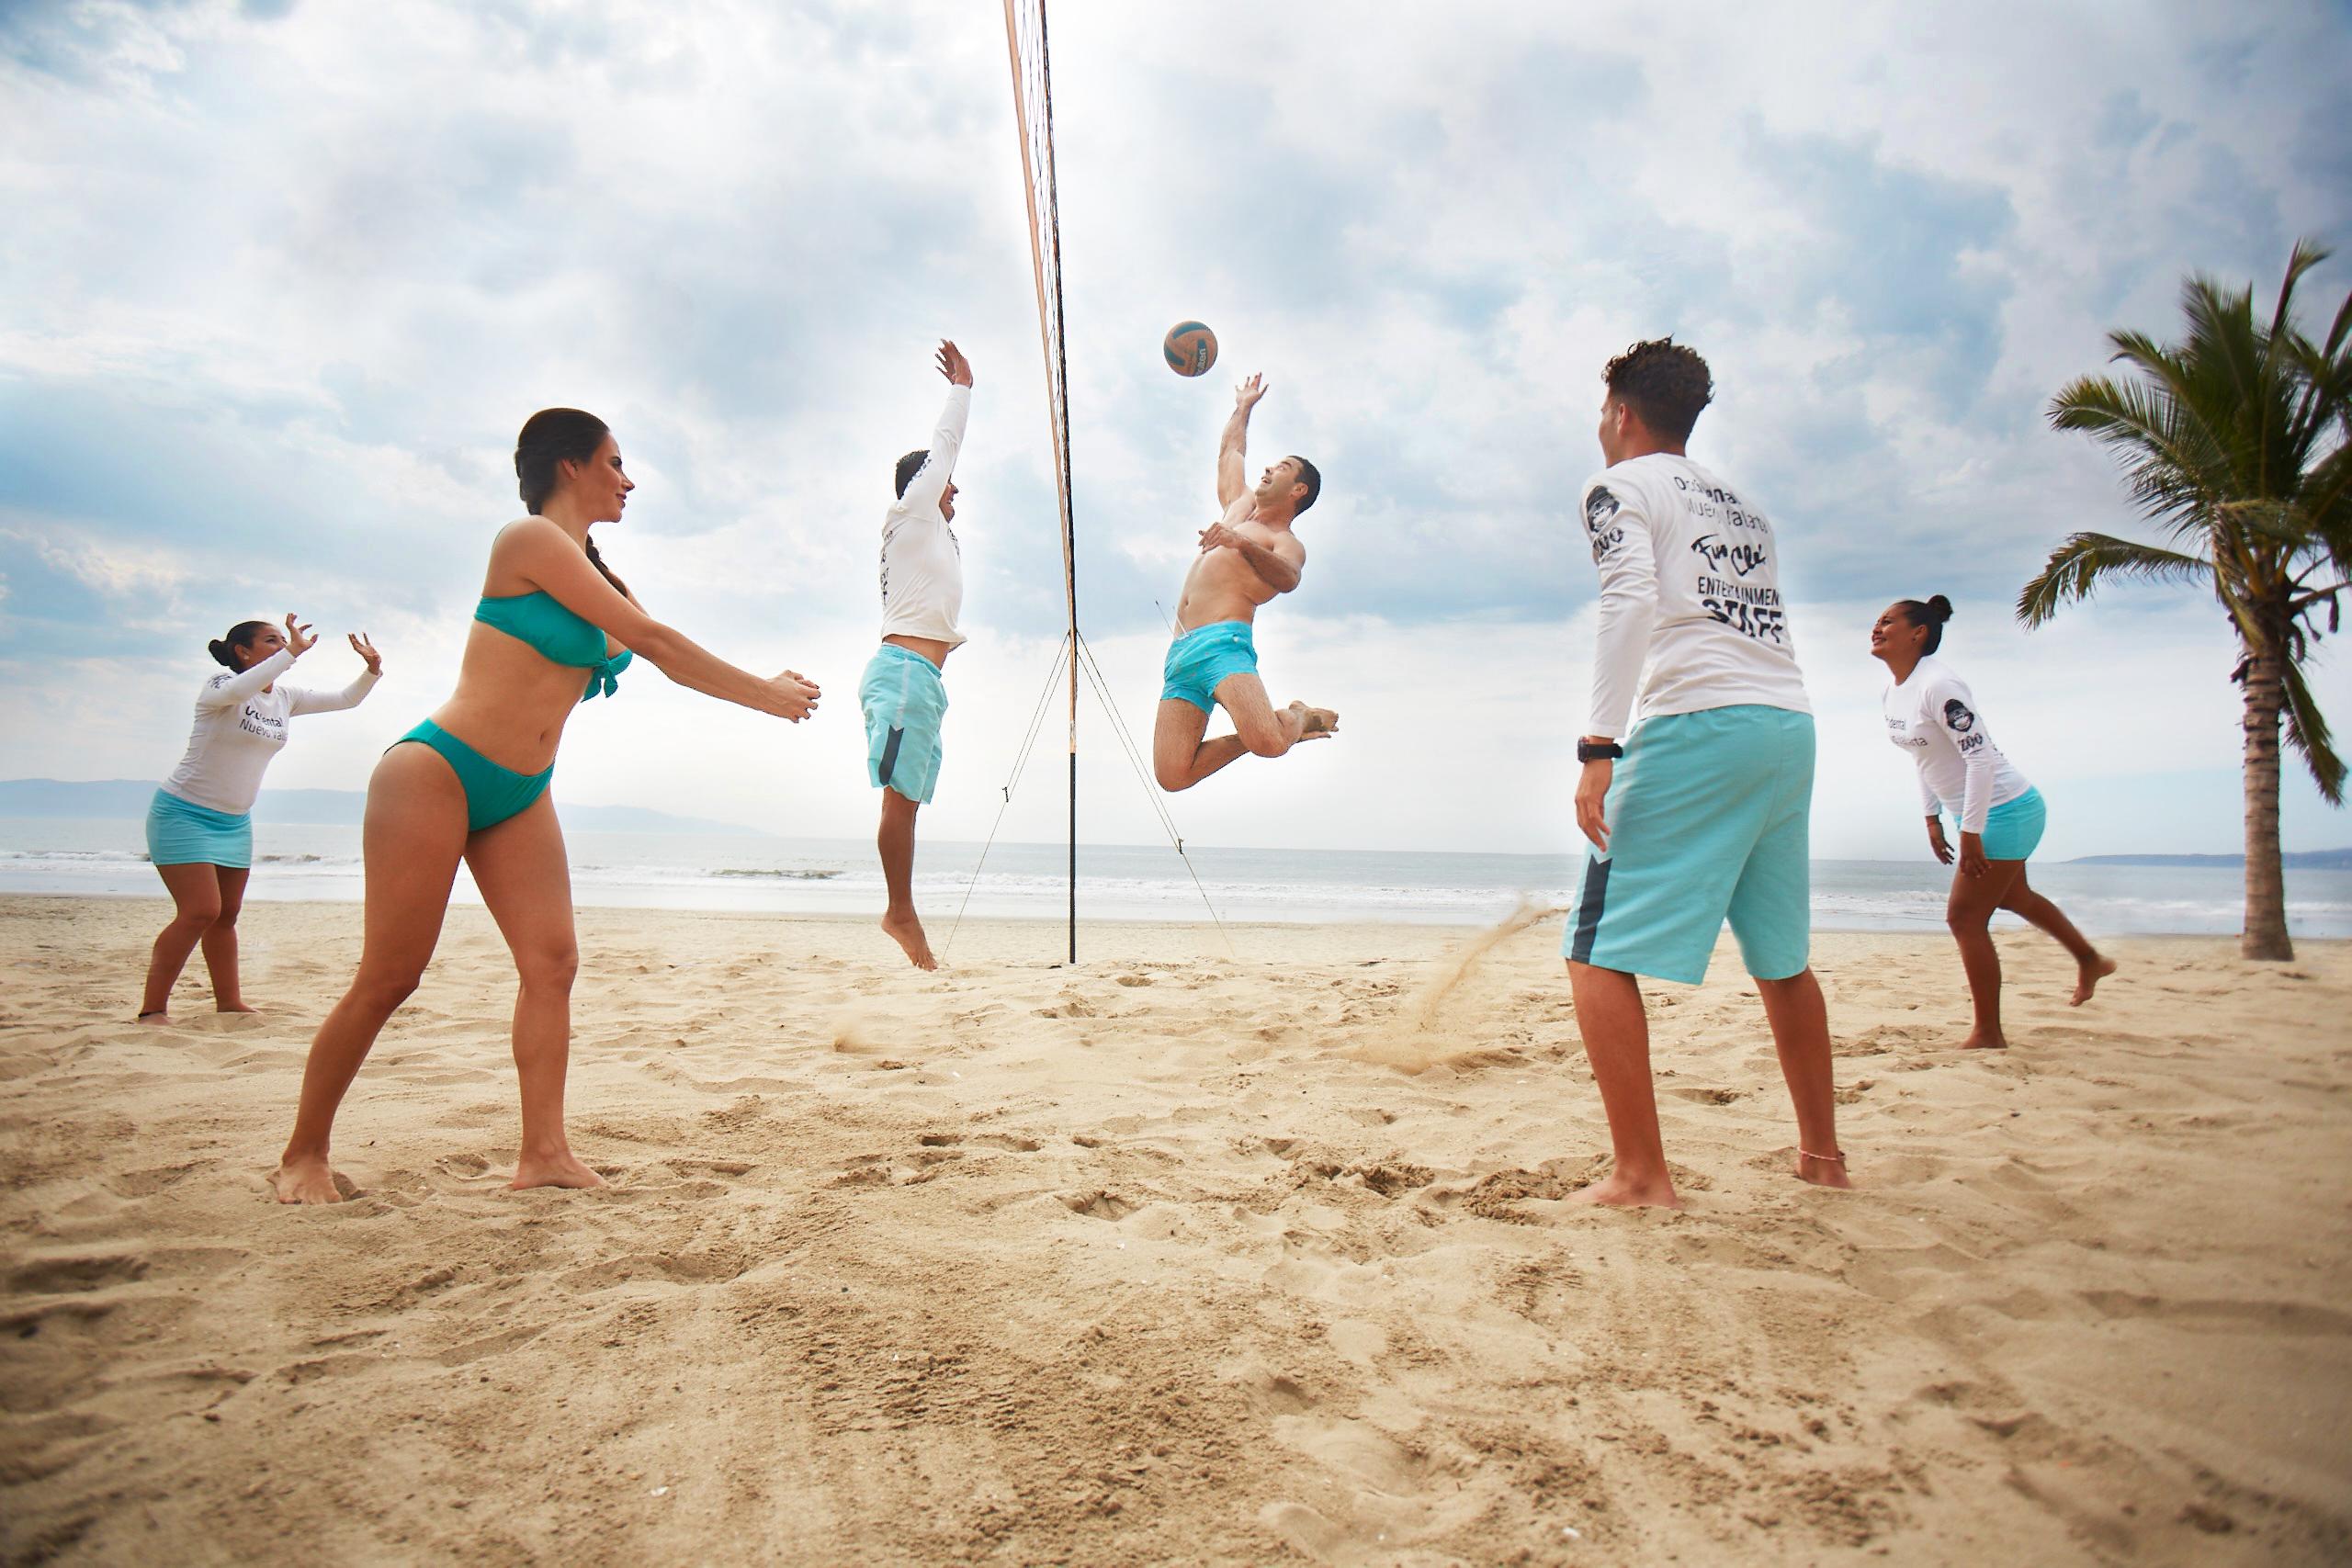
(2237, 444)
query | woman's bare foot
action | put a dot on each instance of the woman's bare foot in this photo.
(1822, 1172)
(2088, 978)
(1979, 1041)
(235, 1007)
(1615, 1191)
(907, 931)
(560, 1169)
(152, 1018)
(305, 1181)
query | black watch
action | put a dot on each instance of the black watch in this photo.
(1607, 751)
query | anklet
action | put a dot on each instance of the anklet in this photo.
(159, 1012)
(1825, 1159)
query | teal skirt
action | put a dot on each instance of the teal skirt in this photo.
(181, 832)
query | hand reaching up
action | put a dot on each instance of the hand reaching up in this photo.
(953, 364)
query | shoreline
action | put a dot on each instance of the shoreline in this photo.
(1170, 1256)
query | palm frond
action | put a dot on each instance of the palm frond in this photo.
(2307, 732)
(2077, 568)
(2327, 505)
(2170, 465)
(2308, 253)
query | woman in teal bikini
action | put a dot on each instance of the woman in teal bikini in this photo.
(555, 628)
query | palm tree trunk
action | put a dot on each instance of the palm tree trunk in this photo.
(2266, 879)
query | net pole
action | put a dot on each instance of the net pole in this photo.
(1045, 250)
(1061, 380)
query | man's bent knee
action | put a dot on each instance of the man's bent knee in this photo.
(1264, 740)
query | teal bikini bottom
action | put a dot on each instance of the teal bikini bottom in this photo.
(493, 793)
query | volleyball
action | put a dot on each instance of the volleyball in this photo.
(1191, 348)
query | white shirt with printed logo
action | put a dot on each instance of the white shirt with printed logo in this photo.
(240, 729)
(923, 566)
(1690, 610)
(1933, 716)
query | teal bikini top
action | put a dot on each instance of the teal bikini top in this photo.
(556, 632)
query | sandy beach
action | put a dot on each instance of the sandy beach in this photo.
(1179, 1255)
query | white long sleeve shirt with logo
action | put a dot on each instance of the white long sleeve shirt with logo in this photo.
(923, 566)
(1690, 610)
(1933, 716)
(240, 729)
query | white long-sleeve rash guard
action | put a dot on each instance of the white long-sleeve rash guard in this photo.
(1690, 609)
(923, 566)
(240, 729)
(1933, 716)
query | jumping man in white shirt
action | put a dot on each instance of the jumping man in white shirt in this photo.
(1248, 555)
(1707, 818)
(904, 698)
(1932, 715)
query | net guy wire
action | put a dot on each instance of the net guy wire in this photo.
(1020, 763)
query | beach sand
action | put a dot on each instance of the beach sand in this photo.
(1177, 1256)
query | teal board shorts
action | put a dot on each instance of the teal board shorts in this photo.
(181, 832)
(1203, 657)
(2013, 829)
(905, 702)
(1709, 820)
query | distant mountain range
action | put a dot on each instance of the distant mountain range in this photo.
(118, 799)
(2296, 860)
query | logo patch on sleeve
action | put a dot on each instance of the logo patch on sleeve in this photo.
(1957, 718)
(1599, 506)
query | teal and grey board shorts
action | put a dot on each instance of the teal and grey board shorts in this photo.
(1708, 821)
(905, 701)
(2013, 829)
(1205, 656)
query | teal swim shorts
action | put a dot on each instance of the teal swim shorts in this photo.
(2013, 829)
(1202, 658)
(1708, 821)
(905, 702)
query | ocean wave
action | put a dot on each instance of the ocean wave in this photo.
(792, 873)
(77, 857)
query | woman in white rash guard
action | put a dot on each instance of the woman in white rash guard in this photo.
(200, 827)
(1931, 715)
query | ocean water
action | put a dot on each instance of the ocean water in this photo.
(696, 870)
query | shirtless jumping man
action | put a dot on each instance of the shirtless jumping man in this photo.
(1247, 557)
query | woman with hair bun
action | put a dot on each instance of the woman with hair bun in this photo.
(1931, 715)
(200, 827)
(554, 628)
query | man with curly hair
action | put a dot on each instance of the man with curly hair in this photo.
(1706, 818)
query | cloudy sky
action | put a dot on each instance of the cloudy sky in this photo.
(279, 281)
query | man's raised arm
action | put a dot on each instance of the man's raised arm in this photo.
(1231, 479)
(930, 480)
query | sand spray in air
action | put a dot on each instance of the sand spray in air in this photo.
(1416, 1042)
